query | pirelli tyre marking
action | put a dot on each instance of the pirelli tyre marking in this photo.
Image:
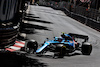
(17, 46)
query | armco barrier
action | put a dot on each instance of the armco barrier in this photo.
(90, 17)
(87, 21)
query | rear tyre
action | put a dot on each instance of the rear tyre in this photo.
(86, 48)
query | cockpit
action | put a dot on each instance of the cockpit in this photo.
(58, 39)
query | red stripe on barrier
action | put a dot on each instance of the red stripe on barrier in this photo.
(20, 42)
(17, 46)
(10, 49)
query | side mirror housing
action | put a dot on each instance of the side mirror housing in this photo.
(47, 38)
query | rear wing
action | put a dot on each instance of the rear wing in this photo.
(73, 35)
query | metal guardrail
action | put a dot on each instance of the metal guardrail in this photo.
(90, 17)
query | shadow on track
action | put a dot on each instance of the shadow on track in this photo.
(8, 59)
(74, 54)
(37, 20)
(29, 28)
(29, 16)
(57, 57)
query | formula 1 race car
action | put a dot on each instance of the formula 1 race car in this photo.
(65, 44)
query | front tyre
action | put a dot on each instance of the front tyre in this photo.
(86, 48)
(32, 46)
(60, 50)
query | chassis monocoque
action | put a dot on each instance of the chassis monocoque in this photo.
(65, 44)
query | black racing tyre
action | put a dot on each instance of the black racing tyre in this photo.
(60, 50)
(86, 48)
(32, 46)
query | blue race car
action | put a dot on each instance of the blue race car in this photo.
(65, 44)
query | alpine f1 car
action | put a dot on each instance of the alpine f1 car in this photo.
(65, 44)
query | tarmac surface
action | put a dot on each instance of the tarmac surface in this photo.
(45, 22)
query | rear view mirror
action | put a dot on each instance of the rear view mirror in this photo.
(47, 38)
